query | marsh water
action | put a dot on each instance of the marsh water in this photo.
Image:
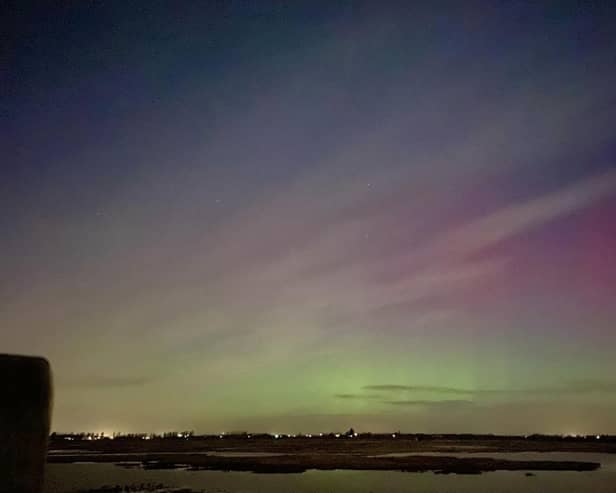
(67, 478)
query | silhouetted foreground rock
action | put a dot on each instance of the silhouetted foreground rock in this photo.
(295, 463)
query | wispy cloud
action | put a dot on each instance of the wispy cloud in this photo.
(357, 396)
(417, 388)
(569, 388)
(523, 216)
(365, 282)
(106, 382)
(428, 403)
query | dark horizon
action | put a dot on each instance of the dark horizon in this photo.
(248, 435)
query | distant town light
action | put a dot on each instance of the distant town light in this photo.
(598, 437)
(337, 435)
(276, 435)
(393, 435)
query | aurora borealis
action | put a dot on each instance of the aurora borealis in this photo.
(251, 216)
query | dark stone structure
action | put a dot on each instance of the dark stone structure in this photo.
(25, 413)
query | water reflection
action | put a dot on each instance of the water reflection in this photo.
(68, 478)
(607, 461)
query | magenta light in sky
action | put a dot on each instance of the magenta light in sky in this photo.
(300, 219)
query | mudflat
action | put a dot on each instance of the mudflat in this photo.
(298, 454)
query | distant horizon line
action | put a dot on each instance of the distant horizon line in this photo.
(350, 433)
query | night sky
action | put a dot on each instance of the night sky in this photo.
(307, 216)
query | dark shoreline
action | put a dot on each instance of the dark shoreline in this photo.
(326, 462)
(299, 454)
